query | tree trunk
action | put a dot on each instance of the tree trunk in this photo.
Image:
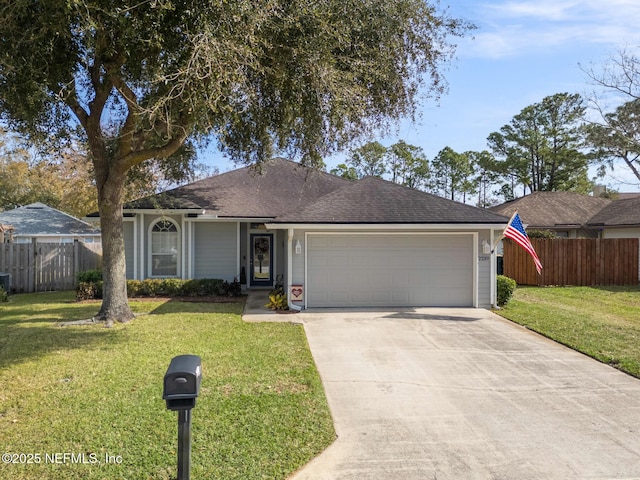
(115, 304)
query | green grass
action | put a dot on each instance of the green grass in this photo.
(87, 389)
(602, 322)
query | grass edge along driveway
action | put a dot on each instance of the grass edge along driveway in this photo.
(86, 401)
(602, 322)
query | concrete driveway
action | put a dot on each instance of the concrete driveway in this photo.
(463, 394)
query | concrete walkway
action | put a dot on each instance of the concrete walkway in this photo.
(463, 394)
(255, 310)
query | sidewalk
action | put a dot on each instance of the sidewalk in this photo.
(255, 310)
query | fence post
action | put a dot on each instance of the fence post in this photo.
(33, 266)
(76, 260)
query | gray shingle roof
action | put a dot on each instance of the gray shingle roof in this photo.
(40, 219)
(373, 200)
(280, 187)
(290, 193)
(553, 209)
(618, 213)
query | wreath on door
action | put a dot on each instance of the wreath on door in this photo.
(261, 246)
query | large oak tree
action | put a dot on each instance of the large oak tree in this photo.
(140, 79)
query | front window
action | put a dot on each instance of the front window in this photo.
(164, 249)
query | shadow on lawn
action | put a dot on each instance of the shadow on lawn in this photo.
(31, 339)
(26, 313)
(28, 333)
(228, 305)
(29, 328)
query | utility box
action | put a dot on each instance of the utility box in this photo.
(5, 282)
(182, 382)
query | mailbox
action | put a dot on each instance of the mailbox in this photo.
(182, 382)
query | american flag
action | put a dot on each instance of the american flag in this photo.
(515, 231)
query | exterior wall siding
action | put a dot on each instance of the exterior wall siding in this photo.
(621, 232)
(484, 271)
(215, 253)
(280, 249)
(297, 261)
(210, 250)
(128, 248)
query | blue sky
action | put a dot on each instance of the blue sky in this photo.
(520, 52)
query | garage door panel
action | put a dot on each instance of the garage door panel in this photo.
(318, 260)
(400, 298)
(338, 260)
(389, 270)
(400, 279)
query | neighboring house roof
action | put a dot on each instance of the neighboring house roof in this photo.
(373, 200)
(553, 210)
(618, 213)
(291, 193)
(281, 186)
(626, 195)
(38, 219)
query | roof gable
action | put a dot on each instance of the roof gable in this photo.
(40, 219)
(373, 200)
(280, 185)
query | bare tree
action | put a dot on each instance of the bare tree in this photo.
(615, 135)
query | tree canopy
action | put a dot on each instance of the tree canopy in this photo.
(401, 163)
(142, 80)
(617, 137)
(453, 174)
(542, 147)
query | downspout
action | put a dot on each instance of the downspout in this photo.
(297, 308)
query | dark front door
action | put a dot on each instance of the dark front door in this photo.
(261, 260)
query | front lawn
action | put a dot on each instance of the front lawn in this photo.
(85, 402)
(602, 322)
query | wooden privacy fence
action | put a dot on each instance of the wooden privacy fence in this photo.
(43, 267)
(583, 261)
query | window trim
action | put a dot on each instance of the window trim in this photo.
(150, 254)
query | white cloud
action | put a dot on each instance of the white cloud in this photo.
(545, 10)
(514, 27)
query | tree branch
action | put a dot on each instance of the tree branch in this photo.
(127, 132)
(71, 99)
(136, 157)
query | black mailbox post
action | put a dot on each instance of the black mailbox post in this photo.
(181, 387)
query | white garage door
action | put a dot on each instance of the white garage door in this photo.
(359, 270)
